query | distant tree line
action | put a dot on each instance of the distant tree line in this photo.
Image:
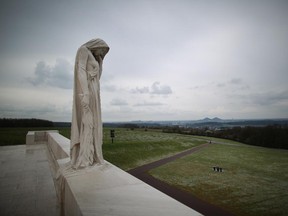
(8, 122)
(273, 136)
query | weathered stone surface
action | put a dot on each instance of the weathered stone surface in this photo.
(86, 128)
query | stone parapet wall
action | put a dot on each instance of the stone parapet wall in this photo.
(38, 137)
(59, 145)
(102, 189)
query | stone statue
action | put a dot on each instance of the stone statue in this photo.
(86, 128)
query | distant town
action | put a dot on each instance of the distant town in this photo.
(209, 123)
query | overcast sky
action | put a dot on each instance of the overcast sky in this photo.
(168, 60)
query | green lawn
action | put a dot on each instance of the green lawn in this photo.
(254, 181)
(132, 148)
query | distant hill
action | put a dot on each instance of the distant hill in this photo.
(216, 119)
(206, 119)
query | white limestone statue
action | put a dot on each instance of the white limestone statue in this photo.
(86, 128)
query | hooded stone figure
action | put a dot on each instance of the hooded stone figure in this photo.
(86, 128)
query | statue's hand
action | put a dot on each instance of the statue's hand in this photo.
(87, 118)
(85, 101)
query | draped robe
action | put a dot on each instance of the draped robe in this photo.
(86, 127)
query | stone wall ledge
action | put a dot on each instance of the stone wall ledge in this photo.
(108, 190)
(59, 145)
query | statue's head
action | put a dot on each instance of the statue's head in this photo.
(100, 51)
(98, 47)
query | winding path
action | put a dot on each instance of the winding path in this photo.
(184, 197)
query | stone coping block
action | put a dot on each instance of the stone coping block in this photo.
(38, 137)
(108, 190)
(59, 145)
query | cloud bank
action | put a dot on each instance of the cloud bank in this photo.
(58, 75)
(168, 59)
(155, 89)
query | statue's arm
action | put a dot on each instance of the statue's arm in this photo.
(82, 73)
(100, 66)
(99, 61)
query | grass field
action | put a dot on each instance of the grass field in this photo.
(132, 148)
(254, 181)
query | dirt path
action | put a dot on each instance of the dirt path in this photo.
(180, 195)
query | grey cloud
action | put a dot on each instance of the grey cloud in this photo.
(41, 73)
(239, 83)
(118, 102)
(109, 88)
(198, 87)
(233, 84)
(221, 85)
(37, 111)
(270, 98)
(149, 104)
(58, 75)
(236, 81)
(156, 88)
(10, 110)
(143, 90)
(263, 99)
